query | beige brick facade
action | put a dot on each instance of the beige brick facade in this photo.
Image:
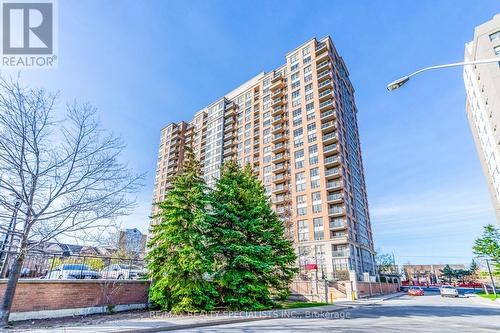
(297, 127)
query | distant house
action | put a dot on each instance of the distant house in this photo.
(132, 241)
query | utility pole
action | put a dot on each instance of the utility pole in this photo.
(491, 277)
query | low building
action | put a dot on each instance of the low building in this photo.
(426, 274)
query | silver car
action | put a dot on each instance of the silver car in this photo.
(448, 291)
(72, 271)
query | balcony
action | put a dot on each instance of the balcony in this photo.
(278, 119)
(331, 149)
(321, 47)
(228, 152)
(279, 137)
(324, 95)
(322, 65)
(229, 144)
(278, 110)
(325, 85)
(277, 102)
(280, 178)
(326, 105)
(332, 173)
(280, 199)
(338, 254)
(334, 197)
(277, 93)
(337, 223)
(336, 210)
(276, 77)
(333, 185)
(324, 75)
(228, 135)
(279, 128)
(281, 157)
(328, 115)
(279, 168)
(229, 121)
(279, 147)
(328, 127)
(332, 160)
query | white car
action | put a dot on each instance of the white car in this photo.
(72, 271)
(448, 291)
(121, 271)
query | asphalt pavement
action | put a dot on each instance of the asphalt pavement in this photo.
(429, 313)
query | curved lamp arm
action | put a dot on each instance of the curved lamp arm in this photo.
(399, 82)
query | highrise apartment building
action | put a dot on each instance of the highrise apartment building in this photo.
(482, 83)
(297, 127)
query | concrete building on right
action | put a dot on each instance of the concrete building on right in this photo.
(482, 84)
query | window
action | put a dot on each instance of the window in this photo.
(294, 58)
(307, 70)
(497, 50)
(495, 36)
(303, 228)
(319, 232)
(306, 50)
(300, 182)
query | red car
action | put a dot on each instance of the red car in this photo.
(415, 291)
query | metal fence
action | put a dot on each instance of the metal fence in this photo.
(55, 266)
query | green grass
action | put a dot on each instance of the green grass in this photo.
(488, 296)
(296, 305)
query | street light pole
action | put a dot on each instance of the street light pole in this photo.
(399, 82)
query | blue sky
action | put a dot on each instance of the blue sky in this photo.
(144, 64)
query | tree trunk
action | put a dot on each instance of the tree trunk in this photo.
(10, 290)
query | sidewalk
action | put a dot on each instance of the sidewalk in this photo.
(160, 321)
(157, 321)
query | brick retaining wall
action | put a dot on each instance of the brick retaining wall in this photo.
(46, 295)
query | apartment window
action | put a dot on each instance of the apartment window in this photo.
(294, 67)
(294, 77)
(297, 113)
(296, 84)
(495, 36)
(319, 232)
(302, 211)
(294, 58)
(307, 60)
(297, 122)
(300, 181)
(314, 173)
(306, 51)
(303, 229)
(307, 70)
(497, 50)
(296, 94)
(308, 78)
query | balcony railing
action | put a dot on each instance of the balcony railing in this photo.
(334, 197)
(329, 148)
(333, 185)
(332, 172)
(330, 136)
(337, 254)
(326, 104)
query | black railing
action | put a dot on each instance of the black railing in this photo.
(61, 266)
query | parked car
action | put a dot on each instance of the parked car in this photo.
(122, 271)
(448, 291)
(72, 271)
(415, 291)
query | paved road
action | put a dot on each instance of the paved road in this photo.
(429, 313)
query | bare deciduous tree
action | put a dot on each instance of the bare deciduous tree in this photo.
(64, 174)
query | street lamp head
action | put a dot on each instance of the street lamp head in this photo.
(398, 83)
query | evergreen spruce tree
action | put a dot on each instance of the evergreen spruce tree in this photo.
(253, 259)
(179, 262)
